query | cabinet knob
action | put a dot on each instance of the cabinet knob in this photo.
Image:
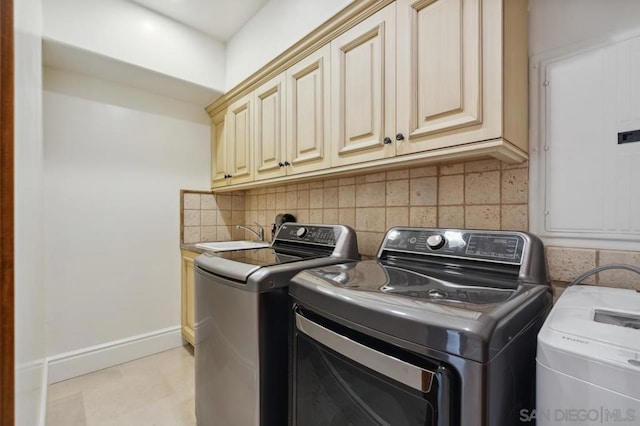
(226, 176)
(286, 163)
(280, 164)
(386, 140)
(229, 176)
(399, 137)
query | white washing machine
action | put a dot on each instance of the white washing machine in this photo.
(588, 359)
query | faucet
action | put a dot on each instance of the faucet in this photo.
(259, 233)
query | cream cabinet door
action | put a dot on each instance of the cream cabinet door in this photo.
(187, 295)
(270, 142)
(309, 113)
(239, 135)
(219, 160)
(363, 95)
(440, 72)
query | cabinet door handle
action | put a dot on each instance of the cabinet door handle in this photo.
(229, 176)
(286, 163)
(387, 140)
(399, 137)
(226, 176)
(280, 164)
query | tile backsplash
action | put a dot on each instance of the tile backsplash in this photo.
(209, 217)
(566, 264)
(483, 194)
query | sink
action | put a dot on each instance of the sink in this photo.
(232, 245)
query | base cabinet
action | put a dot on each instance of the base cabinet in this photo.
(187, 288)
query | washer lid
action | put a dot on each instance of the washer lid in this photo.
(469, 316)
(239, 264)
(597, 322)
(294, 243)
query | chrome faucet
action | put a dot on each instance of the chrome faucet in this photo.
(259, 233)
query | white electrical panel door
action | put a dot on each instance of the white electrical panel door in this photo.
(591, 164)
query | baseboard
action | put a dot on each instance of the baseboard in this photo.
(87, 360)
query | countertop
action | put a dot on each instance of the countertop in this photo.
(191, 247)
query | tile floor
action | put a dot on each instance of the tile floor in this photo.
(155, 390)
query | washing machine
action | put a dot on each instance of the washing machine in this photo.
(439, 330)
(242, 322)
(588, 359)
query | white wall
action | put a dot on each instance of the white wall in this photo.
(557, 24)
(115, 160)
(29, 278)
(127, 32)
(275, 28)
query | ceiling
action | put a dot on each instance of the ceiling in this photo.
(221, 19)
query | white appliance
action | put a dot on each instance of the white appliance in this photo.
(588, 359)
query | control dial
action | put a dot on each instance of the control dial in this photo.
(435, 241)
(301, 232)
(437, 294)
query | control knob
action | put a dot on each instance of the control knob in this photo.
(301, 232)
(435, 241)
(437, 294)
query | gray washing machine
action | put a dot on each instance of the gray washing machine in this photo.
(440, 329)
(242, 322)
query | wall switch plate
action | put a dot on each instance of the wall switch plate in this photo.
(628, 137)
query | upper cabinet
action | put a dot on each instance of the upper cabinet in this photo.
(363, 90)
(219, 159)
(270, 130)
(232, 144)
(462, 74)
(309, 113)
(239, 133)
(388, 84)
(293, 119)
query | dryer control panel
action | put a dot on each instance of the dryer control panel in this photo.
(312, 234)
(492, 246)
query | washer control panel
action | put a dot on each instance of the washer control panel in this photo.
(312, 234)
(497, 246)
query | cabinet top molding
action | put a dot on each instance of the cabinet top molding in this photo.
(351, 15)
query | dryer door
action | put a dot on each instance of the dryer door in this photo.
(344, 378)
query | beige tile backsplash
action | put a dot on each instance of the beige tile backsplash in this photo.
(209, 217)
(484, 194)
(452, 195)
(566, 264)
